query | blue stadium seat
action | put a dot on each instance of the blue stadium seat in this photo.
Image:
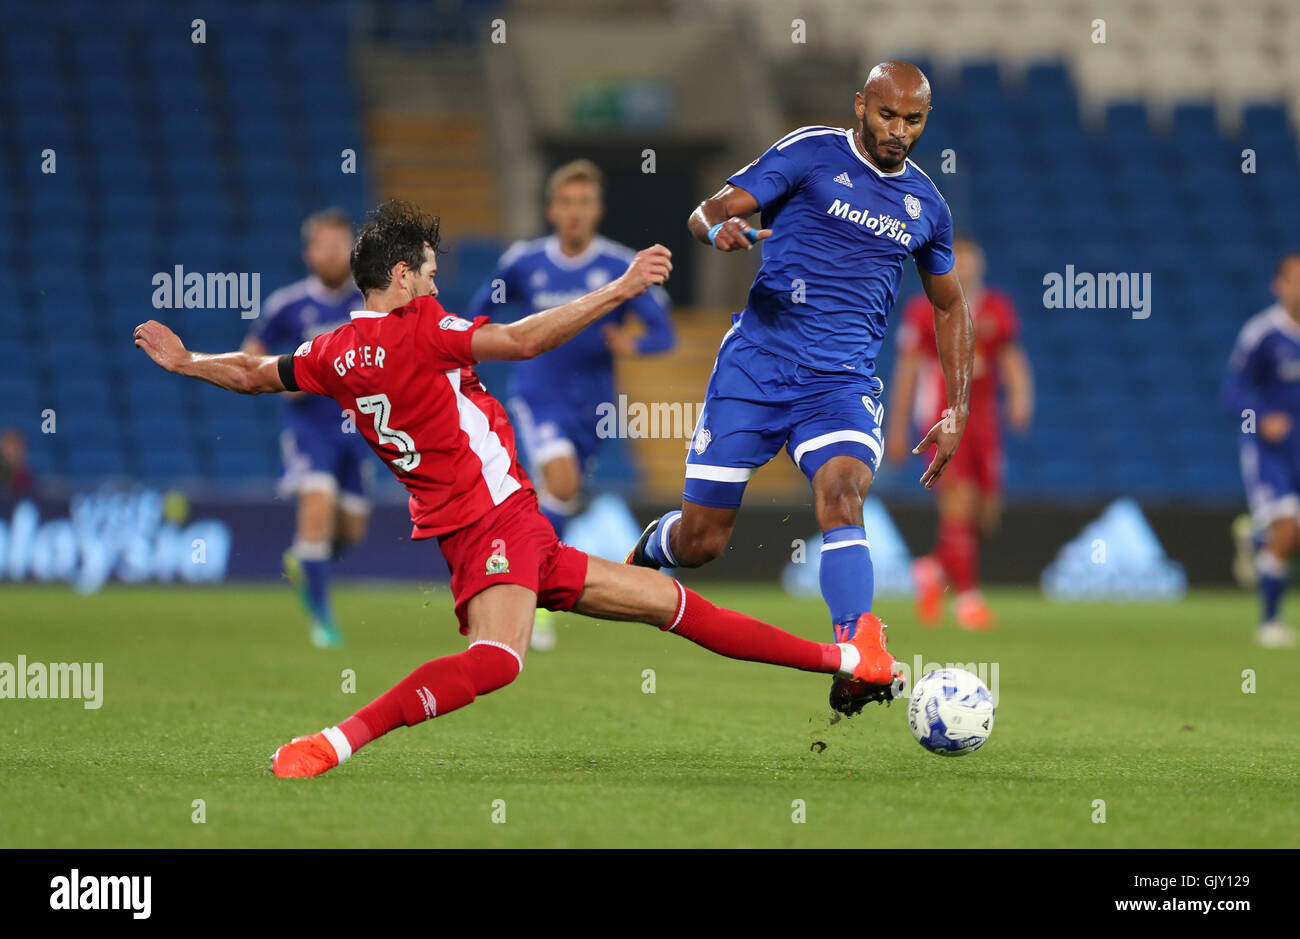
(163, 462)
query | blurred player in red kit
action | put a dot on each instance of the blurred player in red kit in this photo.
(970, 493)
(406, 366)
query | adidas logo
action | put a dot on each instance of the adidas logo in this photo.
(843, 180)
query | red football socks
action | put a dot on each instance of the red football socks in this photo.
(957, 549)
(453, 681)
(434, 689)
(738, 636)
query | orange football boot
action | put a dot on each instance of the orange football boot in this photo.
(973, 613)
(875, 677)
(303, 757)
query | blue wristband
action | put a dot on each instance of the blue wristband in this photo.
(749, 233)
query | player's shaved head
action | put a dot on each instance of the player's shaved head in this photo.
(892, 107)
(897, 78)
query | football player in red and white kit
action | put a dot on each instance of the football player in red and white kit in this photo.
(970, 492)
(405, 366)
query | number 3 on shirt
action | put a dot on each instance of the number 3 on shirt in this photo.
(378, 406)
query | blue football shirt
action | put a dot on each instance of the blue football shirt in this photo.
(536, 275)
(1264, 370)
(841, 231)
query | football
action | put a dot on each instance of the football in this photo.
(950, 712)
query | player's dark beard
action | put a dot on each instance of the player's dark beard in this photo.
(883, 158)
(888, 160)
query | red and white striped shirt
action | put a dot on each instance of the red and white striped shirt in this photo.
(406, 378)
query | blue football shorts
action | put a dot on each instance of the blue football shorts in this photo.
(757, 403)
(547, 429)
(1272, 477)
(323, 457)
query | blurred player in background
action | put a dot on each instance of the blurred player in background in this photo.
(407, 364)
(1263, 389)
(15, 473)
(553, 398)
(326, 461)
(970, 493)
(843, 210)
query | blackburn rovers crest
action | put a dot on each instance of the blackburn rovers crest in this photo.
(497, 564)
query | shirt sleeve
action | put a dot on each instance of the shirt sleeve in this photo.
(307, 369)
(775, 174)
(446, 338)
(651, 308)
(1239, 386)
(935, 256)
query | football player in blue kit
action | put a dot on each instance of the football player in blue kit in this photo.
(1263, 389)
(842, 210)
(553, 399)
(327, 464)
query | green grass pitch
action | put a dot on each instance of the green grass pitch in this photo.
(1140, 706)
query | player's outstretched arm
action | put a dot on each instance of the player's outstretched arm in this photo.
(541, 332)
(726, 212)
(955, 337)
(235, 371)
(1018, 378)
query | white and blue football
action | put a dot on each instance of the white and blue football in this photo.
(950, 712)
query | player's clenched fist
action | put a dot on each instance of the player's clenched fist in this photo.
(649, 268)
(736, 234)
(163, 345)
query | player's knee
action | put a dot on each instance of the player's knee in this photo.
(839, 502)
(563, 488)
(1283, 539)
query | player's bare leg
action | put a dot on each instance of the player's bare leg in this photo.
(500, 623)
(562, 478)
(559, 498)
(350, 526)
(990, 515)
(1273, 563)
(839, 488)
(695, 536)
(307, 563)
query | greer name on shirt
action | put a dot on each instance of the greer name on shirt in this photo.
(359, 356)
